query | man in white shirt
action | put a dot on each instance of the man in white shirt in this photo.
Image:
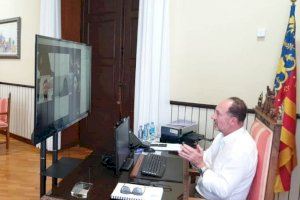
(228, 166)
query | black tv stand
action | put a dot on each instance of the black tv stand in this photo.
(59, 168)
(62, 167)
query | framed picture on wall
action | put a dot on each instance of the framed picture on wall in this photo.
(10, 38)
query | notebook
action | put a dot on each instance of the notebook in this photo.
(148, 192)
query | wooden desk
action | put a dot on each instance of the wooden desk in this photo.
(104, 181)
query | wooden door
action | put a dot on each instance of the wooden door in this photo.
(71, 30)
(113, 68)
(129, 58)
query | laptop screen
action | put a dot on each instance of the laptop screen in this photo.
(122, 150)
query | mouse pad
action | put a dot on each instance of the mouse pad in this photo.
(172, 173)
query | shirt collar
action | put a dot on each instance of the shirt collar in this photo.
(233, 135)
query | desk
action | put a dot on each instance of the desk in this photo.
(104, 181)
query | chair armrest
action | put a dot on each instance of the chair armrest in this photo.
(193, 174)
(3, 113)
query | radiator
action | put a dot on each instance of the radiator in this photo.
(21, 110)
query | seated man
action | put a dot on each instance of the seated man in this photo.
(228, 166)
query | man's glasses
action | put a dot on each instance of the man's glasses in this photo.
(136, 191)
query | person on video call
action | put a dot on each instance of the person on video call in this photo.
(228, 166)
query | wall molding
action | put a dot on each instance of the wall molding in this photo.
(22, 139)
(18, 85)
(208, 106)
(200, 105)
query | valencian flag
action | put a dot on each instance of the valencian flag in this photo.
(285, 100)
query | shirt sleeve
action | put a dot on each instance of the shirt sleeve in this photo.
(222, 183)
(212, 150)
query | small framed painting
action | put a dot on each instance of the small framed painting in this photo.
(10, 38)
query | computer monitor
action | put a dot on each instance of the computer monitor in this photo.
(62, 85)
(122, 151)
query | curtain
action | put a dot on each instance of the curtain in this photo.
(50, 25)
(50, 18)
(152, 98)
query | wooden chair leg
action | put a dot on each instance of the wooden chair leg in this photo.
(7, 139)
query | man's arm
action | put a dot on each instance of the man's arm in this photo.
(222, 183)
(193, 155)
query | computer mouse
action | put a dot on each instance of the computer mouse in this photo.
(149, 150)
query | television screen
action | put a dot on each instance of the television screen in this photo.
(122, 144)
(62, 85)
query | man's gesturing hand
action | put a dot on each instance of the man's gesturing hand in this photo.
(194, 155)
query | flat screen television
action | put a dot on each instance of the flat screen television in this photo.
(122, 151)
(62, 85)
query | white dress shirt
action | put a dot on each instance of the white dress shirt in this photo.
(231, 162)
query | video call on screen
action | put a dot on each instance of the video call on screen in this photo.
(62, 84)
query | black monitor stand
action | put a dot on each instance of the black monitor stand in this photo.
(59, 168)
(42, 168)
(43, 159)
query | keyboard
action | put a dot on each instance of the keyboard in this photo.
(154, 165)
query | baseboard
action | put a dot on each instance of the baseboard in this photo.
(17, 137)
(27, 141)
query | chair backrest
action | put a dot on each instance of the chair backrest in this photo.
(266, 134)
(4, 108)
(262, 136)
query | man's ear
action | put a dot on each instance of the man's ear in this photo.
(234, 120)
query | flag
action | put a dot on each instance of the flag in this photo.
(285, 100)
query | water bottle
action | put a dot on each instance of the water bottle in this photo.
(145, 133)
(148, 131)
(140, 132)
(152, 131)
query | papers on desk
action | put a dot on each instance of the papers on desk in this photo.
(169, 147)
(128, 191)
(182, 123)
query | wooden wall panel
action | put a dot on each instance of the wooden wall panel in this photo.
(71, 12)
(71, 20)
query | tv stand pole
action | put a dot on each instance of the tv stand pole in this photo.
(43, 168)
(43, 159)
(55, 156)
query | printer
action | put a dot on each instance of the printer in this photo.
(172, 132)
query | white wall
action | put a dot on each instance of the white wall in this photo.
(215, 52)
(21, 71)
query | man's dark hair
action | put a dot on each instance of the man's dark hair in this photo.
(238, 109)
